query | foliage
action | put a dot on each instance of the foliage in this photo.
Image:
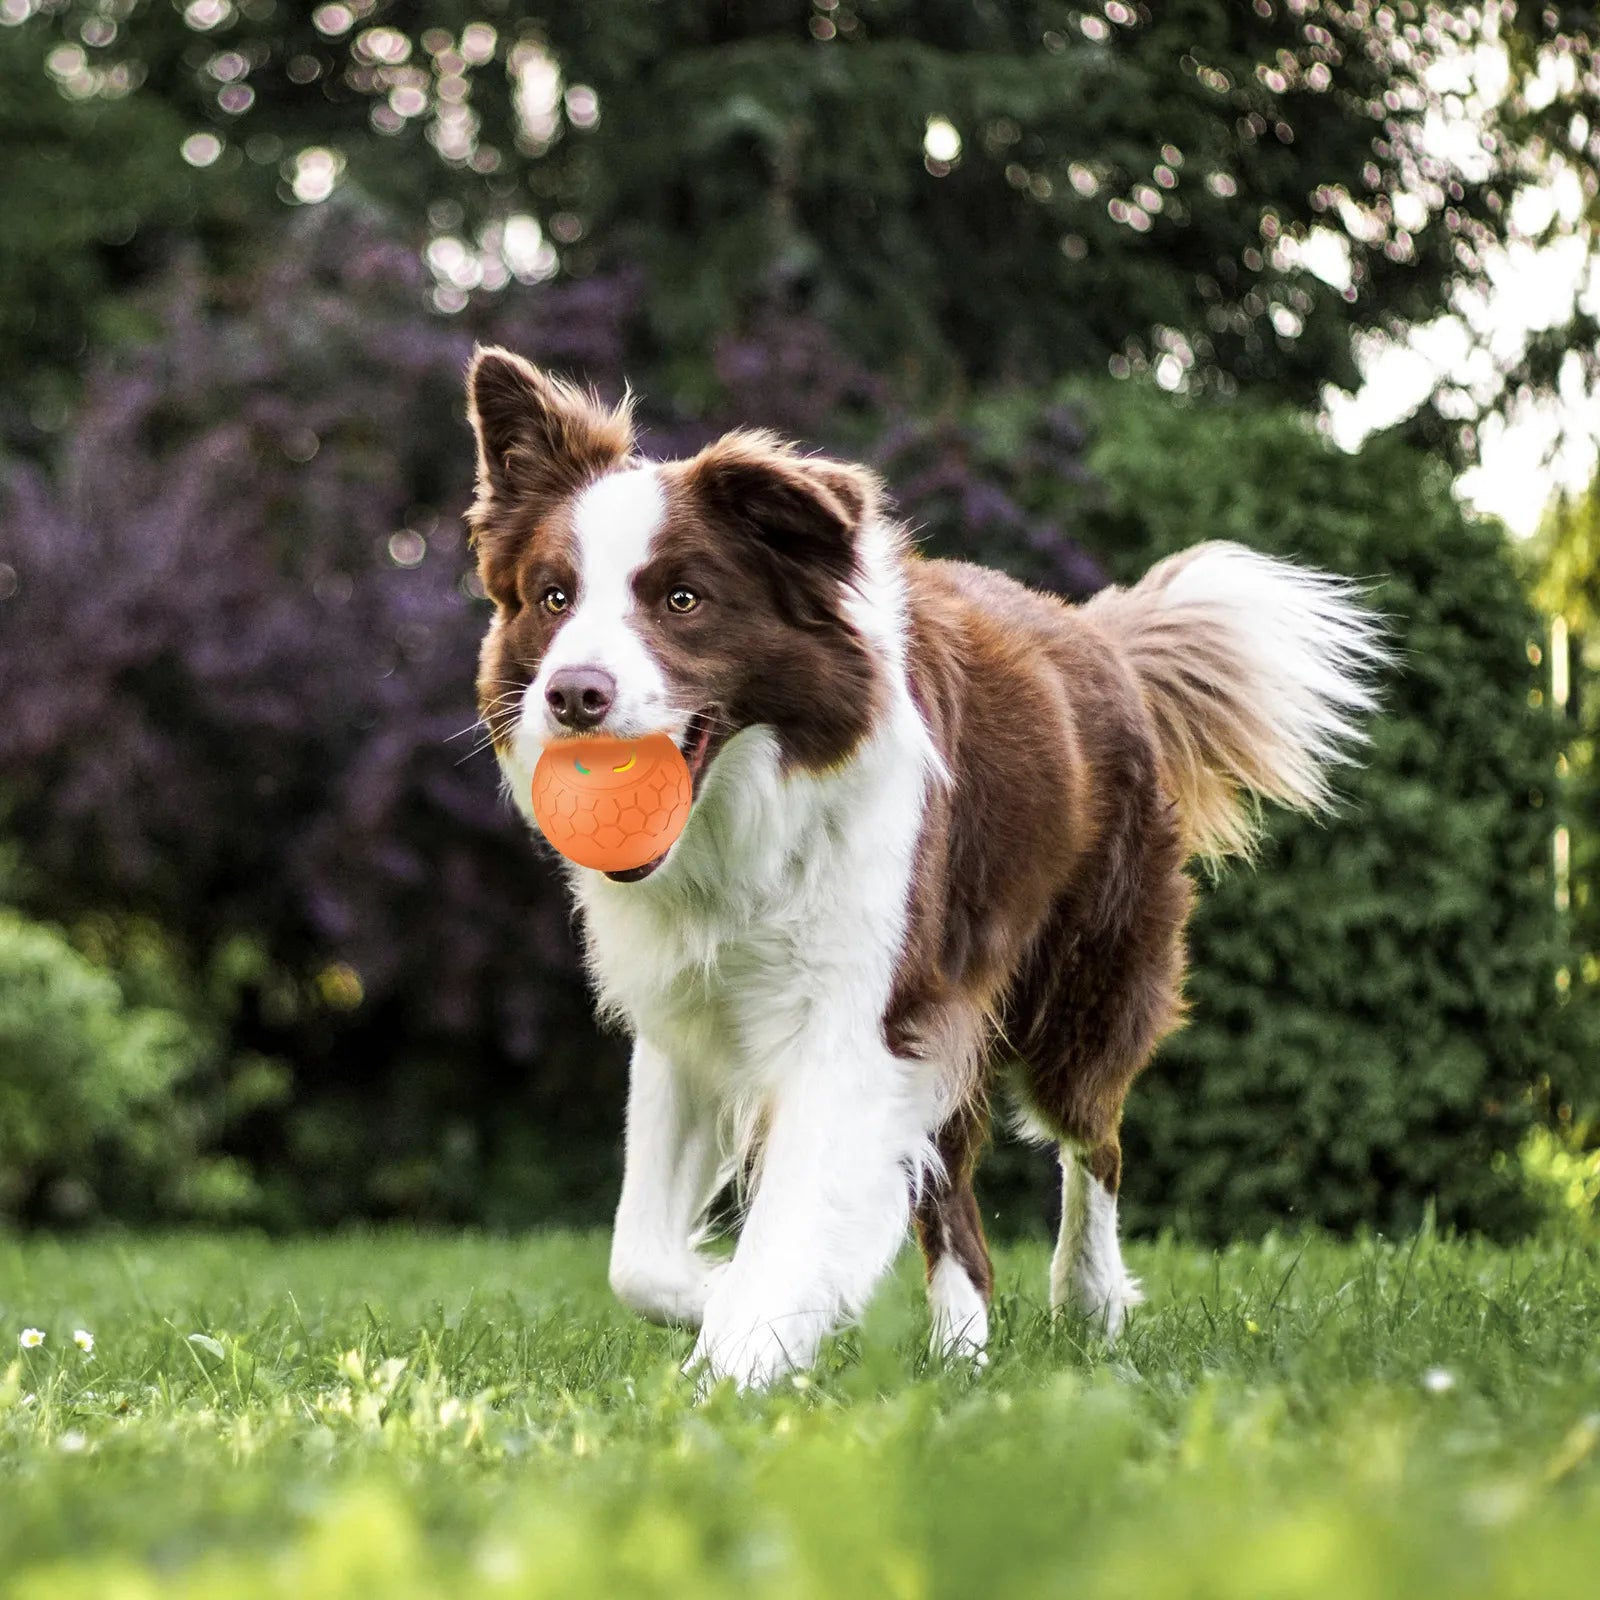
(1374, 1006)
(408, 1416)
(1561, 1167)
(238, 651)
(238, 634)
(93, 1101)
(1566, 585)
(241, 640)
(96, 193)
(1128, 186)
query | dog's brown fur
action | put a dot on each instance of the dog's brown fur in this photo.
(1049, 906)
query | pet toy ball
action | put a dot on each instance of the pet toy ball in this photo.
(612, 804)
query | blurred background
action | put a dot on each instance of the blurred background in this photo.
(1085, 282)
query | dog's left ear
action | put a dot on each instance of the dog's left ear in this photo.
(804, 509)
(539, 438)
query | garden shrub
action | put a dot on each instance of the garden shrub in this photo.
(93, 1091)
(1563, 568)
(1561, 1170)
(1374, 1006)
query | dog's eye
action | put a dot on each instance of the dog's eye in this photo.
(554, 600)
(682, 600)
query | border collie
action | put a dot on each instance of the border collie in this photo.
(938, 843)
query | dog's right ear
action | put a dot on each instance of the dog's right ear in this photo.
(539, 438)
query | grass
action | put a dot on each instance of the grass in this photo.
(392, 1415)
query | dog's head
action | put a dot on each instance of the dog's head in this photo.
(695, 598)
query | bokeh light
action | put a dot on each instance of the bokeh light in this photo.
(941, 141)
(201, 149)
(316, 172)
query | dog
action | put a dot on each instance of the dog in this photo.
(938, 843)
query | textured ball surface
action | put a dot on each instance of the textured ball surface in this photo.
(612, 804)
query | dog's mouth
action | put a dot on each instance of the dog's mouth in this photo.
(702, 738)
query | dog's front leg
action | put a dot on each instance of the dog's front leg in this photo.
(672, 1169)
(830, 1209)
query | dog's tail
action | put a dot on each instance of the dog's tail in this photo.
(1256, 673)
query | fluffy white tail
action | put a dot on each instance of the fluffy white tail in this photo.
(1256, 672)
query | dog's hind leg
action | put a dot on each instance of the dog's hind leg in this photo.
(1102, 990)
(950, 1231)
(672, 1170)
(1086, 1271)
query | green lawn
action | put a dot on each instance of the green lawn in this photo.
(389, 1415)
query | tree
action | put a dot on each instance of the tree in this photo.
(961, 192)
(94, 193)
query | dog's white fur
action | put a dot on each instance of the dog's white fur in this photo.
(1086, 1271)
(960, 1313)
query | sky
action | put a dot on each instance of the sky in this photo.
(1542, 449)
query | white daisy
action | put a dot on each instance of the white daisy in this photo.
(84, 1340)
(31, 1338)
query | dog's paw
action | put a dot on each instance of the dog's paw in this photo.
(754, 1359)
(751, 1344)
(1104, 1306)
(960, 1316)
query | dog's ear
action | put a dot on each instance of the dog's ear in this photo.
(538, 437)
(804, 509)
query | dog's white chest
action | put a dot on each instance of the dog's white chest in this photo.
(723, 989)
(785, 908)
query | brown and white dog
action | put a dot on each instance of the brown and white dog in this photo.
(938, 841)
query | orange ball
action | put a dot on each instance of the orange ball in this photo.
(612, 804)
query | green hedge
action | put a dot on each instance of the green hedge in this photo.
(106, 1103)
(1374, 1004)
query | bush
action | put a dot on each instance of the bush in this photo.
(240, 725)
(92, 1089)
(1374, 1007)
(1564, 569)
(1561, 1169)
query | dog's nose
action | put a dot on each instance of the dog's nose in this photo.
(579, 697)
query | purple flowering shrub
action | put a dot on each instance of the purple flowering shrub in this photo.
(237, 662)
